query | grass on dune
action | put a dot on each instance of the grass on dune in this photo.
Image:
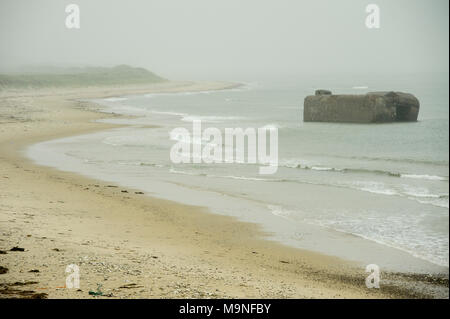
(79, 77)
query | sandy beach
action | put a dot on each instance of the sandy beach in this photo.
(130, 245)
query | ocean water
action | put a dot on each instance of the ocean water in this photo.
(341, 189)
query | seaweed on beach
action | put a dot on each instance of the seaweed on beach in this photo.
(9, 291)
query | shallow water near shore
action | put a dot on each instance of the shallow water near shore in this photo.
(369, 193)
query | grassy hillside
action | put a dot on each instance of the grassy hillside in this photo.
(79, 77)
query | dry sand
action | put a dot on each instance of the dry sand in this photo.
(132, 245)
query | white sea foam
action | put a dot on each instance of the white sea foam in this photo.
(428, 177)
(186, 93)
(280, 211)
(244, 87)
(176, 171)
(244, 178)
(375, 187)
(115, 99)
(127, 140)
(319, 168)
(151, 164)
(419, 192)
(169, 113)
(303, 164)
(436, 202)
(185, 117)
(437, 251)
(209, 118)
(360, 87)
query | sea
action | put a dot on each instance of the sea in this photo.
(369, 193)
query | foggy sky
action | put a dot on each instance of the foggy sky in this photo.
(226, 39)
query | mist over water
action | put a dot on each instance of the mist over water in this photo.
(387, 183)
(228, 40)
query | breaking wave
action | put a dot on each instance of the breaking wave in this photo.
(364, 171)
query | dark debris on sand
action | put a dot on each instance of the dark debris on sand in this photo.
(9, 291)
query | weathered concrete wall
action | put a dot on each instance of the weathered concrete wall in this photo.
(374, 107)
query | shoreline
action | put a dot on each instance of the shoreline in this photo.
(153, 243)
(400, 259)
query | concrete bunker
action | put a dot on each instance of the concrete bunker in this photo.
(373, 107)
